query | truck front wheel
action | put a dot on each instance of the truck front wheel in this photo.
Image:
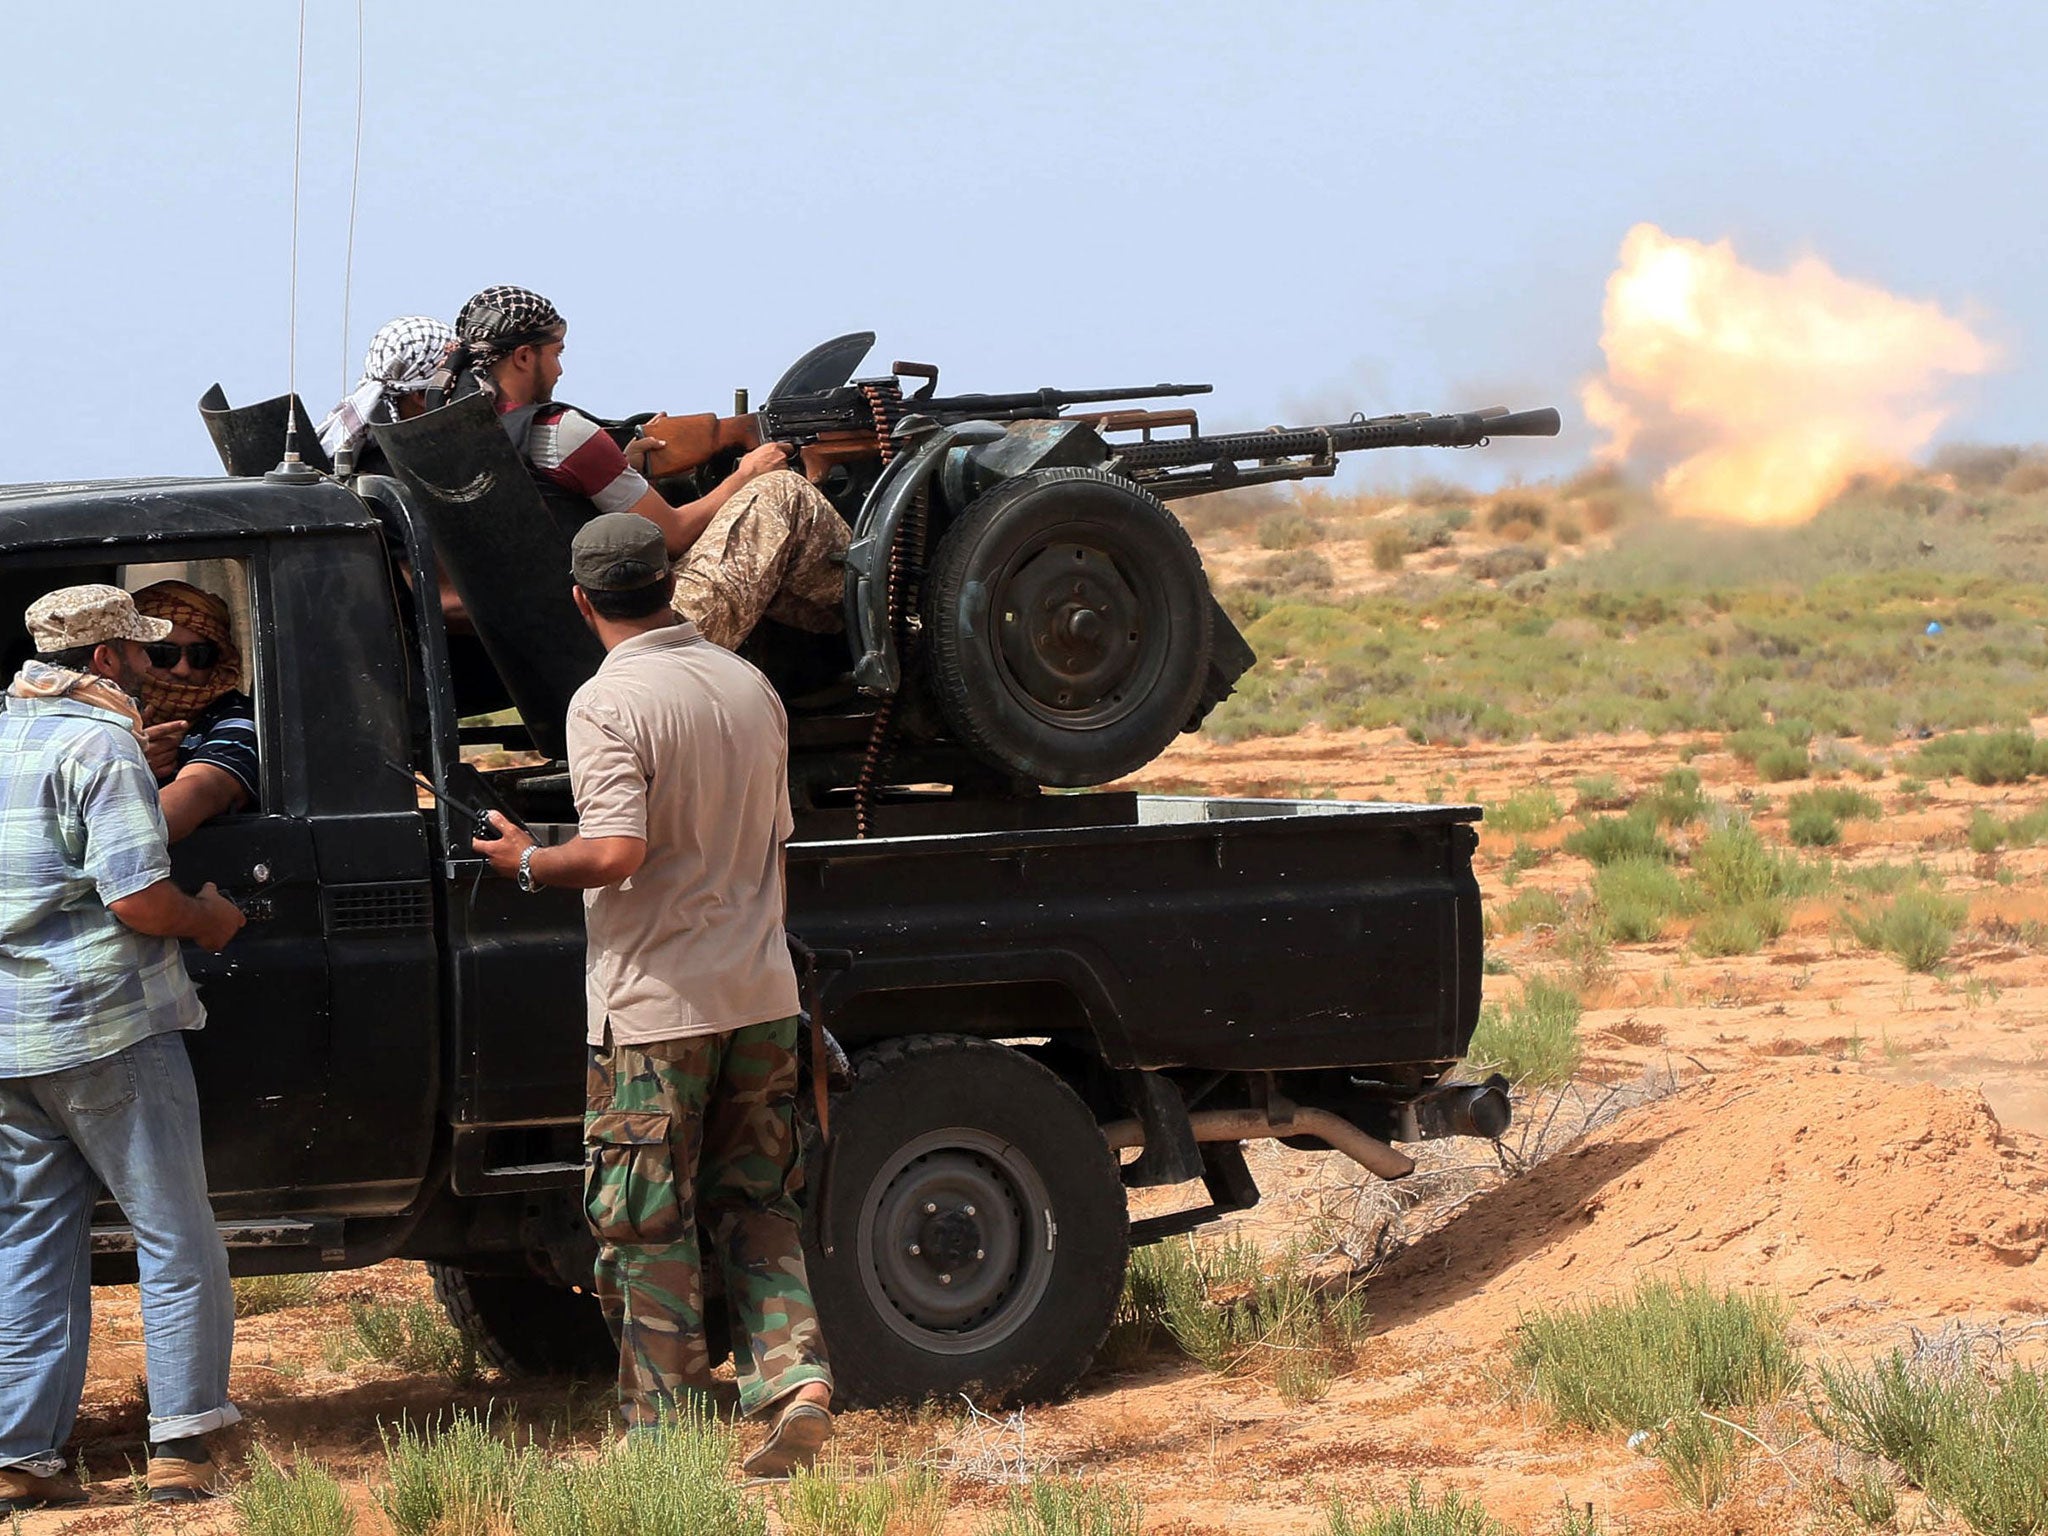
(525, 1326)
(966, 1230)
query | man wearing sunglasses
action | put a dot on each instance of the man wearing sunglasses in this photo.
(199, 727)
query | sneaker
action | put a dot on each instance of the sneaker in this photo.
(800, 1431)
(20, 1490)
(175, 1480)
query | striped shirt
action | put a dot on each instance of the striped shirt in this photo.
(224, 735)
(79, 830)
(570, 450)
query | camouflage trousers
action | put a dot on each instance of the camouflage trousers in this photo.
(774, 550)
(679, 1132)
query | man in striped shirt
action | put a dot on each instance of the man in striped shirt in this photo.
(199, 728)
(764, 543)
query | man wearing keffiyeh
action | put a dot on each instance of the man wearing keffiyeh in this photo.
(765, 543)
(401, 362)
(199, 728)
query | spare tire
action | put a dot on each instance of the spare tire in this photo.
(1069, 626)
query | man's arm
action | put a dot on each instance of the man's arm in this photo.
(682, 526)
(580, 864)
(163, 911)
(200, 792)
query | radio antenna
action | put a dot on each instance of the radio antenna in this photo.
(355, 178)
(292, 467)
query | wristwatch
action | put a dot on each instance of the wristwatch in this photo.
(526, 881)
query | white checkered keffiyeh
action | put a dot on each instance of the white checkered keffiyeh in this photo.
(402, 358)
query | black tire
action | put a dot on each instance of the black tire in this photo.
(524, 1326)
(999, 1175)
(1069, 627)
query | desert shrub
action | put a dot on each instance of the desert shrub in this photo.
(1293, 572)
(453, 1478)
(673, 1481)
(1389, 548)
(1279, 1324)
(1978, 1449)
(1987, 832)
(1677, 800)
(1435, 530)
(1607, 838)
(1165, 1276)
(1739, 930)
(272, 1501)
(1837, 800)
(1600, 792)
(1812, 826)
(1639, 895)
(1449, 1514)
(258, 1294)
(1985, 758)
(1535, 1040)
(1652, 1359)
(1568, 530)
(1733, 865)
(1526, 810)
(1524, 856)
(1782, 761)
(1289, 530)
(1067, 1506)
(1916, 925)
(413, 1337)
(1509, 560)
(831, 1499)
(1507, 511)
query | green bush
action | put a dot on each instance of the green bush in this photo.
(1639, 896)
(1916, 925)
(413, 1337)
(453, 1478)
(1067, 1506)
(1812, 826)
(1987, 833)
(1526, 810)
(1777, 764)
(1292, 573)
(1604, 839)
(1678, 800)
(1289, 530)
(1734, 866)
(830, 1499)
(1700, 1455)
(258, 1294)
(1600, 792)
(1738, 930)
(1535, 1040)
(274, 1502)
(1978, 1449)
(673, 1481)
(1526, 909)
(1838, 801)
(1448, 1514)
(1279, 1325)
(1995, 757)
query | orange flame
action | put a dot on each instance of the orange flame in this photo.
(1758, 395)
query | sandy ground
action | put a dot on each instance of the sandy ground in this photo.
(1811, 1119)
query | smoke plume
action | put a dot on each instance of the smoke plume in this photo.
(1756, 396)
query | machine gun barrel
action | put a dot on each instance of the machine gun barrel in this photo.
(1464, 430)
(1037, 402)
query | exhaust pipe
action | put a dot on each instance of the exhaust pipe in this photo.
(1482, 1110)
(1369, 1152)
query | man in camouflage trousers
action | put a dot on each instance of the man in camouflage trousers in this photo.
(678, 756)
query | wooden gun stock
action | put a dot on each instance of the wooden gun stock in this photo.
(690, 442)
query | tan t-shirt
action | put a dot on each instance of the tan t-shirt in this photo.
(680, 742)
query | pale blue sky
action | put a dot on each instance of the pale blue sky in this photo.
(1316, 207)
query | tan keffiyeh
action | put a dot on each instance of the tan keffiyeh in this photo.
(40, 680)
(165, 697)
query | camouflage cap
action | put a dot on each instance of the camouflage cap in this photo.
(617, 552)
(89, 615)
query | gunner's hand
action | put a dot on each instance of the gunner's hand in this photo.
(160, 747)
(640, 450)
(764, 460)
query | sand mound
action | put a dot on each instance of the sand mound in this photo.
(1845, 1193)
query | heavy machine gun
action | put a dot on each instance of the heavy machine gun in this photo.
(1021, 607)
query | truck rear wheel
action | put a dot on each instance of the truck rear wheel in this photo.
(524, 1326)
(977, 1225)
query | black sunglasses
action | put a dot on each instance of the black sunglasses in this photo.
(164, 654)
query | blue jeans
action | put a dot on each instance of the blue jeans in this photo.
(129, 1121)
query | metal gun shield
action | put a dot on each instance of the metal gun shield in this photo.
(826, 366)
(506, 552)
(250, 438)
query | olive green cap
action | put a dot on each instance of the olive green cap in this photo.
(617, 552)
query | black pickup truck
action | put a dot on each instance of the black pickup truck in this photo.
(1051, 998)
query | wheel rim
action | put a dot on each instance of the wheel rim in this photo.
(1079, 637)
(955, 1244)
